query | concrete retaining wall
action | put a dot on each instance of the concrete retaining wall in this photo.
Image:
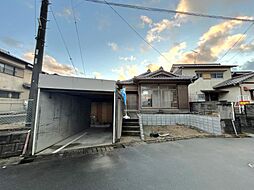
(12, 143)
(206, 123)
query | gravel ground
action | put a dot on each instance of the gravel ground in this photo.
(173, 131)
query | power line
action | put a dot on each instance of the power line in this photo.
(138, 34)
(234, 45)
(61, 34)
(77, 32)
(240, 52)
(171, 11)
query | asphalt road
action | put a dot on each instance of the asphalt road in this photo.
(190, 164)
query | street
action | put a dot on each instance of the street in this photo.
(211, 163)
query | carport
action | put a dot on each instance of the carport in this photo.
(76, 113)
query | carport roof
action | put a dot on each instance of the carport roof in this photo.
(47, 81)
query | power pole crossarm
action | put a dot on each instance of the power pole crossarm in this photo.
(37, 68)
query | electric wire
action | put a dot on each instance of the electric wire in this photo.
(136, 32)
(171, 11)
(63, 40)
(78, 37)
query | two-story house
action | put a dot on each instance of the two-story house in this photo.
(15, 79)
(209, 75)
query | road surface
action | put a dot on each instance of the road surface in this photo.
(212, 163)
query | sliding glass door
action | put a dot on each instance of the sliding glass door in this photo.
(158, 96)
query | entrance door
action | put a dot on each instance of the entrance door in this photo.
(132, 101)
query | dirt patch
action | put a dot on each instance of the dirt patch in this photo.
(172, 131)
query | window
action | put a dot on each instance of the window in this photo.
(1, 67)
(7, 94)
(199, 75)
(201, 97)
(218, 75)
(19, 72)
(9, 69)
(4, 94)
(158, 96)
(15, 95)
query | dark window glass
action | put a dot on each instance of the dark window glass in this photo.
(4, 94)
(15, 95)
(199, 75)
(217, 75)
(1, 67)
(9, 69)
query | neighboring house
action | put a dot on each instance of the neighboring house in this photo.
(157, 92)
(15, 77)
(239, 88)
(209, 75)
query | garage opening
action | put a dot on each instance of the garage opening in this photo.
(70, 119)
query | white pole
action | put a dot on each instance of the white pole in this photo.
(36, 121)
(114, 117)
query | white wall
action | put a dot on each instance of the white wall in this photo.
(235, 92)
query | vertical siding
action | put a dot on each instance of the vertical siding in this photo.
(183, 100)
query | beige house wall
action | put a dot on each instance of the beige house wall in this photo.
(203, 84)
(235, 92)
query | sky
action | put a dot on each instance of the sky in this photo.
(112, 50)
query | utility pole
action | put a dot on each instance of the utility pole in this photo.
(37, 68)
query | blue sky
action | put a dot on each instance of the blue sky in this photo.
(112, 50)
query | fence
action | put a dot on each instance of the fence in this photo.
(16, 119)
(209, 124)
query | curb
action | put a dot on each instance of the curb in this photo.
(106, 148)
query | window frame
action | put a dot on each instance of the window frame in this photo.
(14, 70)
(159, 87)
(217, 75)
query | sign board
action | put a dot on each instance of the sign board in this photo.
(242, 103)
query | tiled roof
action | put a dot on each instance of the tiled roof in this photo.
(234, 81)
(160, 74)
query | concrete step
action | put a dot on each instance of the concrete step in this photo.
(130, 120)
(131, 128)
(133, 123)
(131, 133)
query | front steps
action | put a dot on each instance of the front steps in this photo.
(131, 127)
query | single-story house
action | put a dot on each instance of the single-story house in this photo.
(157, 92)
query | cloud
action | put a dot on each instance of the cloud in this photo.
(97, 75)
(215, 41)
(11, 42)
(183, 6)
(113, 46)
(154, 34)
(173, 55)
(126, 71)
(249, 65)
(146, 20)
(67, 13)
(51, 65)
(128, 59)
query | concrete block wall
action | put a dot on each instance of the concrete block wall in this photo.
(12, 143)
(60, 116)
(206, 123)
